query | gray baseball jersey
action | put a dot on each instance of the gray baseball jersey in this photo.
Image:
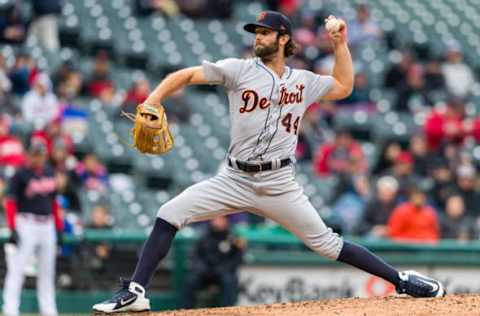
(265, 114)
(265, 110)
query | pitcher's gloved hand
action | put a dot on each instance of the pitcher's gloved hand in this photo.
(150, 131)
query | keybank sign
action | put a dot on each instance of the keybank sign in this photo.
(266, 285)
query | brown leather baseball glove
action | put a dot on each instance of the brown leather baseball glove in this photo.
(150, 131)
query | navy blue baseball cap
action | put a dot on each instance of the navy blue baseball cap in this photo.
(271, 20)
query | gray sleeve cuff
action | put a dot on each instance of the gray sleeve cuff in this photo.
(212, 72)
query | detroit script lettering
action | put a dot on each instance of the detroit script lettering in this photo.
(251, 99)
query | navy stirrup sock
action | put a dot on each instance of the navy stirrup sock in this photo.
(362, 258)
(155, 249)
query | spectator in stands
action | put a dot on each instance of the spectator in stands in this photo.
(289, 7)
(467, 189)
(335, 158)
(303, 152)
(12, 25)
(97, 255)
(403, 172)
(362, 29)
(412, 96)
(193, 8)
(53, 133)
(67, 191)
(388, 156)
(472, 127)
(454, 222)
(313, 125)
(360, 93)
(457, 155)
(3, 190)
(61, 73)
(219, 9)
(64, 164)
(379, 208)
(352, 193)
(93, 175)
(421, 156)
(11, 148)
(443, 182)
(68, 82)
(216, 257)
(5, 88)
(44, 26)
(324, 66)
(100, 78)
(306, 34)
(168, 8)
(353, 189)
(40, 106)
(61, 157)
(396, 76)
(136, 94)
(213, 9)
(100, 218)
(22, 73)
(434, 79)
(299, 62)
(109, 98)
(414, 220)
(445, 125)
(458, 75)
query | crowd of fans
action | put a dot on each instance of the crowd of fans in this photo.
(43, 114)
(421, 190)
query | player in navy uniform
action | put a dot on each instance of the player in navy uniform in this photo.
(33, 216)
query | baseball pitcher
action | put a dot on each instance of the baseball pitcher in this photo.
(267, 101)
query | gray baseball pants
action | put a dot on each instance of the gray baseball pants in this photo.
(272, 194)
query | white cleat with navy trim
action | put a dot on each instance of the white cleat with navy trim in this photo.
(130, 298)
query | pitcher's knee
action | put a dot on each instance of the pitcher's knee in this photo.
(327, 243)
(169, 215)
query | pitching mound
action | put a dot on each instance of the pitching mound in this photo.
(451, 305)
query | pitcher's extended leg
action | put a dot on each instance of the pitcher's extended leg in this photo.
(202, 201)
(360, 257)
(205, 200)
(155, 249)
(294, 211)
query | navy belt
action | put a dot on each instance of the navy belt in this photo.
(257, 167)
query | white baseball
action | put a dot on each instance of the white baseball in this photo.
(332, 24)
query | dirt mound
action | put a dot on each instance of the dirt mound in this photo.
(451, 305)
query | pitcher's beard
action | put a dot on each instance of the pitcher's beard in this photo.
(266, 53)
